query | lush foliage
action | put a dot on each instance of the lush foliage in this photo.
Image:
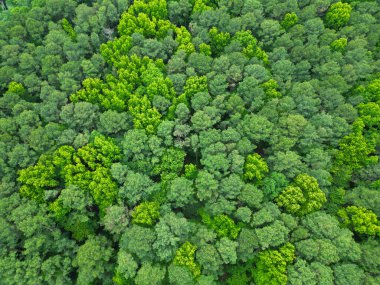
(189, 142)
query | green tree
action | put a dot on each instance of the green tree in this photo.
(93, 259)
(150, 274)
(339, 45)
(338, 15)
(185, 257)
(360, 220)
(146, 213)
(303, 196)
(223, 225)
(255, 168)
(270, 267)
(290, 19)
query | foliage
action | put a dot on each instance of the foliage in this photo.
(146, 213)
(189, 142)
(290, 19)
(223, 225)
(338, 15)
(270, 267)
(185, 257)
(360, 220)
(303, 196)
(255, 168)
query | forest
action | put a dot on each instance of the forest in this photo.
(189, 142)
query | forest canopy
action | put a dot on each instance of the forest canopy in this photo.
(188, 142)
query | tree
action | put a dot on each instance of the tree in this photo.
(185, 257)
(290, 19)
(273, 184)
(150, 274)
(339, 45)
(93, 259)
(348, 273)
(302, 197)
(180, 192)
(255, 168)
(146, 213)
(139, 242)
(272, 235)
(180, 275)
(209, 259)
(223, 225)
(227, 250)
(270, 267)
(338, 15)
(126, 268)
(360, 220)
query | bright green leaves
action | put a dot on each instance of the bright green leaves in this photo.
(16, 88)
(271, 89)
(360, 220)
(338, 15)
(203, 5)
(371, 92)
(102, 188)
(223, 225)
(147, 213)
(370, 114)
(95, 91)
(101, 152)
(339, 45)
(114, 50)
(302, 197)
(139, 82)
(270, 267)
(144, 115)
(250, 46)
(184, 40)
(155, 8)
(255, 168)
(37, 178)
(68, 28)
(87, 168)
(290, 19)
(195, 84)
(219, 40)
(185, 256)
(357, 149)
(147, 18)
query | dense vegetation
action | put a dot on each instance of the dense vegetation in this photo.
(190, 142)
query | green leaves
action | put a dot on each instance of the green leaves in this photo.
(270, 267)
(290, 19)
(92, 260)
(185, 256)
(223, 225)
(360, 220)
(339, 45)
(146, 213)
(302, 197)
(87, 168)
(36, 179)
(338, 15)
(69, 29)
(255, 168)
